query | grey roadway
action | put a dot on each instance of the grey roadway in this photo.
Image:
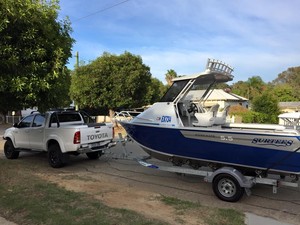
(262, 207)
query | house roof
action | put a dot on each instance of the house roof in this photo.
(289, 104)
(215, 95)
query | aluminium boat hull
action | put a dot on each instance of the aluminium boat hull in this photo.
(276, 152)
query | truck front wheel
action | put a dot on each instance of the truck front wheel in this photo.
(56, 158)
(10, 151)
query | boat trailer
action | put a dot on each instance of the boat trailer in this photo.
(228, 183)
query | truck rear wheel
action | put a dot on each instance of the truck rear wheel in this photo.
(94, 155)
(56, 158)
(10, 151)
(227, 188)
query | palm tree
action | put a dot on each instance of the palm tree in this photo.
(170, 75)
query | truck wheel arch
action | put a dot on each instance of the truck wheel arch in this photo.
(56, 158)
(10, 138)
(55, 142)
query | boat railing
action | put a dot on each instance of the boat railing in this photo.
(218, 66)
(290, 120)
(125, 115)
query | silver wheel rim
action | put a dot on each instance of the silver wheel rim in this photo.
(227, 187)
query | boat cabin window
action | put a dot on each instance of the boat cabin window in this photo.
(174, 91)
(201, 86)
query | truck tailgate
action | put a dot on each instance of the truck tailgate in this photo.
(96, 133)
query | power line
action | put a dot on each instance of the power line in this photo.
(102, 10)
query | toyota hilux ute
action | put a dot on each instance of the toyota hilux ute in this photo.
(60, 134)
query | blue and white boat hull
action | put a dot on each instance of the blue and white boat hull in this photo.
(272, 152)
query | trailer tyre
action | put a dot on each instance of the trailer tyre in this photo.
(227, 188)
(10, 151)
(56, 158)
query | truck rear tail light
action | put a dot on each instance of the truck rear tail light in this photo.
(113, 132)
(76, 139)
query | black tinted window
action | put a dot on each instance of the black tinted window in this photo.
(38, 121)
(26, 122)
(69, 117)
(173, 91)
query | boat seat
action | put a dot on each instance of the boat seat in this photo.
(207, 119)
(221, 116)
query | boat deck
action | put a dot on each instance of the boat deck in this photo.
(255, 127)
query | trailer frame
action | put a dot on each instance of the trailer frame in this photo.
(228, 183)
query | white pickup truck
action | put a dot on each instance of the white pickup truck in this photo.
(60, 134)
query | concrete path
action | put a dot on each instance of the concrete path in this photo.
(5, 222)
(252, 219)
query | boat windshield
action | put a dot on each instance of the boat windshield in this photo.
(174, 91)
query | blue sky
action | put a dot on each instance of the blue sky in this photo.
(256, 37)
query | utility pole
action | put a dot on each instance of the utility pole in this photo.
(77, 59)
(76, 66)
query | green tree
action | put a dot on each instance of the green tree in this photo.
(284, 92)
(253, 87)
(169, 76)
(34, 49)
(291, 77)
(241, 88)
(156, 91)
(113, 82)
(267, 105)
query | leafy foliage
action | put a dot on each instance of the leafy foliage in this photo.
(170, 75)
(249, 89)
(265, 97)
(156, 90)
(284, 92)
(114, 82)
(267, 105)
(34, 49)
(290, 78)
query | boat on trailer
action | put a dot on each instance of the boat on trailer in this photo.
(180, 131)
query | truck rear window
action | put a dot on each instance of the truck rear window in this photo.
(66, 117)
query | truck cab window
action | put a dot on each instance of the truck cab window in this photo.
(38, 121)
(26, 122)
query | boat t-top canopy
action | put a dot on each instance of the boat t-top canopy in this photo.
(216, 72)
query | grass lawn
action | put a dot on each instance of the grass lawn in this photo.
(27, 199)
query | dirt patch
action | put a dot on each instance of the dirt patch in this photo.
(115, 194)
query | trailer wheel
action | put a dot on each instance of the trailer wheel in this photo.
(56, 158)
(227, 188)
(10, 151)
(94, 155)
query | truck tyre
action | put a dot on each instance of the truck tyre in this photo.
(94, 155)
(56, 158)
(227, 188)
(10, 151)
